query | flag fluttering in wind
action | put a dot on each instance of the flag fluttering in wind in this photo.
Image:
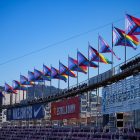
(46, 73)
(94, 55)
(105, 48)
(38, 76)
(119, 39)
(30, 76)
(132, 25)
(18, 86)
(24, 81)
(65, 71)
(55, 75)
(73, 66)
(2, 94)
(9, 89)
(83, 61)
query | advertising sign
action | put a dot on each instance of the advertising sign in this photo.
(122, 96)
(65, 109)
(35, 111)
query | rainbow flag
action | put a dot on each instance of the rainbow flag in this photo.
(105, 48)
(65, 71)
(24, 81)
(46, 73)
(73, 66)
(83, 61)
(2, 94)
(18, 86)
(94, 55)
(119, 39)
(30, 76)
(132, 25)
(55, 75)
(9, 89)
(38, 76)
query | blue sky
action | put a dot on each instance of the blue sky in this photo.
(30, 25)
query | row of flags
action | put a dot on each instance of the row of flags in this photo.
(62, 74)
(120, 37)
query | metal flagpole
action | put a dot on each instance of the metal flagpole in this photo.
(50, 81)
(4, 95)
(27, 87)
(88, 72)
(44, 87)
(13, 93)
(98, 61)
(98, 69)
(77, 86)
(4, 91)
(19, 90)
(23, 94)
(33, 87)
(90, 113)
(77, 68)
(96, 107)
(42, 81)
(59, 77)
(125, 41)
(112, 48)
(15, 98)
(68, 72)
(89, 98)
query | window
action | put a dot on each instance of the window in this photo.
(83, 102)
(84, 97)
(83, 108)
(93, 99)
(93, 105)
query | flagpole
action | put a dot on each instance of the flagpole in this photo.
(88, 73)
(42, 81)
(43, 78)
(112, 49)
(15, 98)
(98, 76)
(89, 98)
(77, 67)
(125, 41)
(23, 91)
(10, 98)
(27, 86)
(68, 72)
(12, 93)
(51, 81)
(88, 64)
(15, 94)
(77, 86)
(59, 77)
(4, 91)
(23, 94)
(98, 61)
(34, 81)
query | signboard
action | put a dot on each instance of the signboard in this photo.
(35, 111)
(65, 109)
(122, 96)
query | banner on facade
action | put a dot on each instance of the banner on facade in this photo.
(35, 111)
(123, 96)
(65, 109)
